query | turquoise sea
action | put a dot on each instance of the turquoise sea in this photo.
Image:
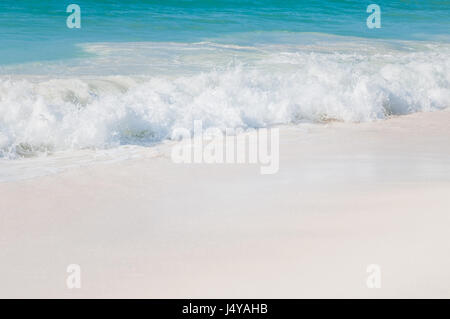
(36, 30)
(137, 69)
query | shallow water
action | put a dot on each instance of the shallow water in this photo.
(138, 69)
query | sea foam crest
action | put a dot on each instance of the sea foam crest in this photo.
(58, 113)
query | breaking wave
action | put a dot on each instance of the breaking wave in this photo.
(259, 88)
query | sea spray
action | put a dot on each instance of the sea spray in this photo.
(264, 86)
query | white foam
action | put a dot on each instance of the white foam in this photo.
(245, 87)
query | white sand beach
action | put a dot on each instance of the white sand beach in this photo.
(346, 196)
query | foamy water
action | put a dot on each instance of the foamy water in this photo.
(81, 104)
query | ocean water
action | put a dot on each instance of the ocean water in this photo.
(137, 69)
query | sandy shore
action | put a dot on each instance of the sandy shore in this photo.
(346, 196)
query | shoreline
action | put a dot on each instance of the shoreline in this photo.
(346, 196)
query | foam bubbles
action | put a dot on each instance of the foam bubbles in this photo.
(283, 85)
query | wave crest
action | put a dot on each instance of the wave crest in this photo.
(41, 115)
